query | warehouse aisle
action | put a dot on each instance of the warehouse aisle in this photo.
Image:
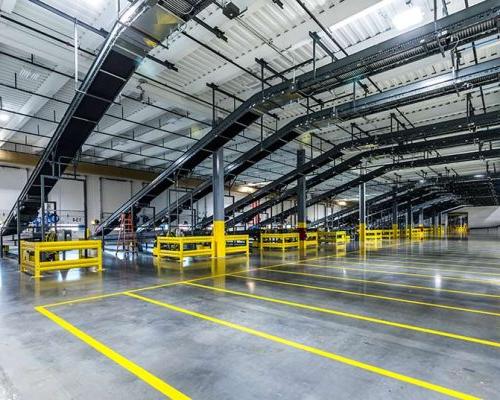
(408, 320)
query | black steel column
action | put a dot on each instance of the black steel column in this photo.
(395, 224)
(218, 193)
(362, 210)
(301, 198)
(409, 220)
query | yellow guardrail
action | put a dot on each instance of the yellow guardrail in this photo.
(237, 244)
(184, 246)
(373, 234)
(34, 255)
(387, 234)
(312, 239)
(279, 240)
(333, 237)
(461, 229)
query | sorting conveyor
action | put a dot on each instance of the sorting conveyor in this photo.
(462, 27)
(140, 28)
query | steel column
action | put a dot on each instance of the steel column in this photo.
(301, 199)
(409, 217)
(395, 224)
(18, 209)
(218, 193)
(362, 210)
(434, 228)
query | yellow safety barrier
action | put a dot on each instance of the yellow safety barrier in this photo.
(34, 254)
(312, 239)
(417, 233)
(237, 244)
(184, 246)
(459, 229)
(279, 240)
(388, 234)
(333, 237)
(439, 229)
(373, 234)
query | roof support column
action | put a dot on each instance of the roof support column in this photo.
(362, 210)
(218, 192)
(421, 217)
(301, 199)
(409, 219)
(395, 225)
(434, 226)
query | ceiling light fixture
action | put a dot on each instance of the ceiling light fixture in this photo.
(4, 117)
(407, 18)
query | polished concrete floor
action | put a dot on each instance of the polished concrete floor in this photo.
(417, 320)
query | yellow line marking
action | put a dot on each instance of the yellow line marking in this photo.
(375, 296)
(123, 362)
(437, 268)
(312, 350)
(354, 316)
(113, 294)
(403, 273)
(383, 283)
(460, 259)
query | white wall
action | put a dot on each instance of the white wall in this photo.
(69, 195)
(482, 217)
(104, 196)
(12, 180)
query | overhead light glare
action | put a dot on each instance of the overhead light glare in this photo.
(479, 176)
(342, 203)
(4, 117)
(410, 17)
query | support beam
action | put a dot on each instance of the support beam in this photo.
(433, 222)
(409, 217)
(301, 200)
(219, 224)
(395, 224)
(362, 209)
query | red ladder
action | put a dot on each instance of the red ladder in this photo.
(127, 239)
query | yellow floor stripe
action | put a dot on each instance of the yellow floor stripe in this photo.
(368, 262)
(162, 285)
(313, 350)
(459, 259)
(374, 296)
(123, 362)
(468, 267)
(355, 316)
(339, 278)
(451, 278)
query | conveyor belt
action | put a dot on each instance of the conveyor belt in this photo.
(454, 158)
(141, 27)
(446, 83)
(451, 141)
(462, 27)
(381, 203)
(421, 132)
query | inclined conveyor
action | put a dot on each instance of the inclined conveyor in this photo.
(141, 27)
(460, 28)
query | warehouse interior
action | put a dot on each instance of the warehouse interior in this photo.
(236, 199)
